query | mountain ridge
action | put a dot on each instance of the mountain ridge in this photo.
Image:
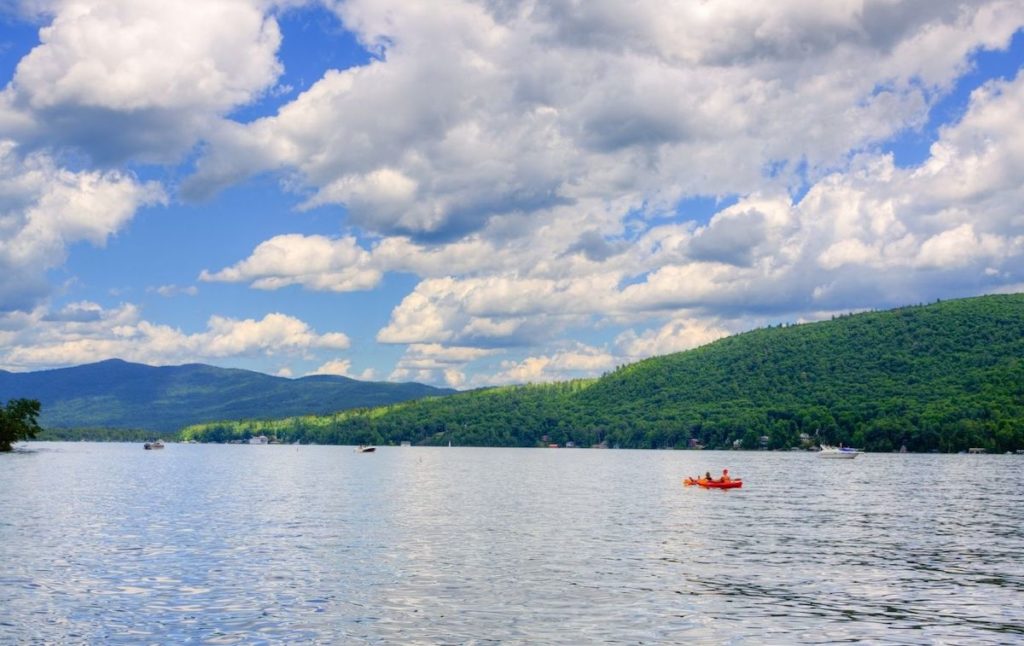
(114, 393)
(945, 376)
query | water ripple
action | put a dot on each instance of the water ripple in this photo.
(275, 544)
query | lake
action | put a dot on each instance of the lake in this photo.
(108, 543)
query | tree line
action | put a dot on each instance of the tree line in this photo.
(942, 377)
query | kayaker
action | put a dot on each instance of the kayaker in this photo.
(707, 476)
(725, 476)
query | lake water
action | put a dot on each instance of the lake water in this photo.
(108, 543)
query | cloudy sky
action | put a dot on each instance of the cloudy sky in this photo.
(471, 193)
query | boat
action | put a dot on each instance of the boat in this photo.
(159, 444)
(712, 484)
(838, 452)
(365, 449)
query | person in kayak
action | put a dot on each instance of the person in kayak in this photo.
(707, 476)
(725, 476)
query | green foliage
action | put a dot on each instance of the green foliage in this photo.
(100, 435)
(18, 421)
(117, 394)
(944, 377)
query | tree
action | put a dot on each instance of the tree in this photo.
(18, 422)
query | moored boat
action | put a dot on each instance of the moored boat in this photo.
(159, 444)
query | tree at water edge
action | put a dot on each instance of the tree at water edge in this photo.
(18, 421)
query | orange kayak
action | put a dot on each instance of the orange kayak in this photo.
(712, 484)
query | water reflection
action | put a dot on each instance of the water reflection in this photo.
(236, 544)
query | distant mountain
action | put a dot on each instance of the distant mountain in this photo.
(119, 394)
(947, 376)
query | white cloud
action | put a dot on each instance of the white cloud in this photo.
(872, 235)
(436, 363)
(45, 208)
(418, 319)
(114, 54)
(273, 333)
(315, 262)
(480, 110)
(849, 252)
(530, 163)
(960, 247)
(431, 356)
(454, 378)
(525, 184)
(85, 332)
(169, 291)
(674, 336)
(390, 193)
(585, 237)
(121, 78)
(578, 361)
(340, 367)
(494, 310)
(343, 368)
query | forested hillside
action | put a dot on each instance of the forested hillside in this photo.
(114, 394)
(945, 376)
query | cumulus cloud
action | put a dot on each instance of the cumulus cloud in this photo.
(436, 363)
(546, 243)
(334, 367)
(961, 247)
(578, 361)
(122, 79)
(531, 164)
(477, 110)
(596, 247)
(45, 208)
(674, 336)
(343, 368)
(730, 238)
(433, 356)
(872, 235)
(495, 310)
(315, 262)
(85, 332)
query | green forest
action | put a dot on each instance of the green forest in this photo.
(107, 399)
(99, 434)
(941, 377)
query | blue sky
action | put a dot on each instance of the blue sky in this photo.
(475, 193)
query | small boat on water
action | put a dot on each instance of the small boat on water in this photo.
(838, 452)
(712, 484)
(149, 446)
(365, 449)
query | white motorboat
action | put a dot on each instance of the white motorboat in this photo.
(838, 452)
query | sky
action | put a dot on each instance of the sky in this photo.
(479, 193)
